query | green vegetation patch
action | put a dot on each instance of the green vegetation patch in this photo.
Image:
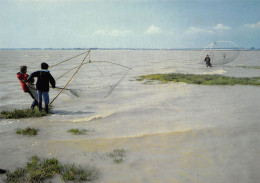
(27, 131)
(76, 131)
(117, 155)
(22, 113)
(35, 171)
(71, 172)
(39, 170)
(19, 175)
(201, 79)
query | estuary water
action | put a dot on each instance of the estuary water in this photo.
(172, 132)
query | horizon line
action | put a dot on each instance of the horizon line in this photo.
(251, 48)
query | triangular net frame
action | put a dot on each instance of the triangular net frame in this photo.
(88, 78)
(220, 52)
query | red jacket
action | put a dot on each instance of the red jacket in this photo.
(22, 78)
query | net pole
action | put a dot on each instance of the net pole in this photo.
(68, 72)
(113, 63)
(67, 59)
(70, 78)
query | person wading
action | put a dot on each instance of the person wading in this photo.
(207, 60)
(22, 76)
(44, 80)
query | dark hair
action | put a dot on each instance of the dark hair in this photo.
(23, 69)
(44, 65)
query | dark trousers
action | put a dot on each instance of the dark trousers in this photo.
(34, 103)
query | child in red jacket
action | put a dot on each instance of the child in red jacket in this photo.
(22, 76)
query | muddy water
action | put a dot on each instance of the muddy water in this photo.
(171, 132)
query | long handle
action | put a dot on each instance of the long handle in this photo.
(61, 88)
(70, 78)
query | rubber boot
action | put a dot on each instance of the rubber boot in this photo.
(35, 103)
(40, 107)
(46, 109)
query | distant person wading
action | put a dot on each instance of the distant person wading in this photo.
(44, 79)
(207, 60)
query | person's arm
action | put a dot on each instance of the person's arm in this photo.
(52, 81)
(30, 79)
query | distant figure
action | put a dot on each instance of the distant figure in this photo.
(44, 79)
(207, 60)
(22, 76)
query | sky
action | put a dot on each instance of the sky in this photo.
(128, 23)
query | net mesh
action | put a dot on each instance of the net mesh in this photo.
(94, 78)
(221, 52)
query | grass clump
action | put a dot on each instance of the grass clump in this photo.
(39, 170)
(19, 175)
(201, 79)
(35, 171)
(22, 113)
(76, 131)
(71, 172)
(117, 155)
(27, 131)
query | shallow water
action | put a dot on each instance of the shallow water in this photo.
(171, 132)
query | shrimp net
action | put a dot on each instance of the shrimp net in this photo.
(86, 75)
(220, 52)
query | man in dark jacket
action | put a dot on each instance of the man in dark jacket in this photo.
(44, 79)
(207, 60)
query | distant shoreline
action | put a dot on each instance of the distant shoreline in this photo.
(185, 49)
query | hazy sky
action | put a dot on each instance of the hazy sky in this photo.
(128, 23)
